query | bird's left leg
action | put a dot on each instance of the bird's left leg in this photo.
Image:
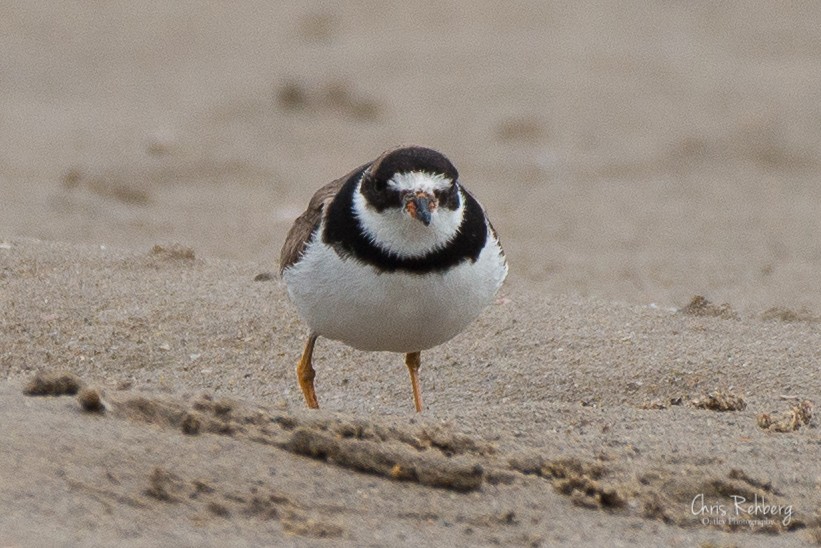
(413, 361)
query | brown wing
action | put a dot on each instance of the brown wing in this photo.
(304, 225)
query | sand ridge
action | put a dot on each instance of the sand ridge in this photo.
(628, 412)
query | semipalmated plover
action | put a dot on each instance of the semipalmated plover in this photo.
(395, 256)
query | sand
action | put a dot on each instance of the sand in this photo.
(652, 360)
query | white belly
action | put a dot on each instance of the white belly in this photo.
(351, 302)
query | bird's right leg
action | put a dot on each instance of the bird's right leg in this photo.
(305, 373)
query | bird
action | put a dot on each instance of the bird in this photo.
(396, 256)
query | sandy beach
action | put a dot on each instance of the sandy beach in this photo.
(650, 373)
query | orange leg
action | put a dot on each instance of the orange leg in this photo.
(305, 373)
(413, 361)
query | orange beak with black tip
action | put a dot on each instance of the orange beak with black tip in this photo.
(420, 205)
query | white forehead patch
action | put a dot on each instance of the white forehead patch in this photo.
(419, 180)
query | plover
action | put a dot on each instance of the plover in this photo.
(395, 256)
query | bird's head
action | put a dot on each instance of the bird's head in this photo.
(410, 200)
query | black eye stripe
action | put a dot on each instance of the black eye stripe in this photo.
(377, 193)
(449, 199)
(380, 195)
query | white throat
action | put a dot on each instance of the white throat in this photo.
(397, 232)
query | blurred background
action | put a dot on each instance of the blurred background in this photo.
(640, 151)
